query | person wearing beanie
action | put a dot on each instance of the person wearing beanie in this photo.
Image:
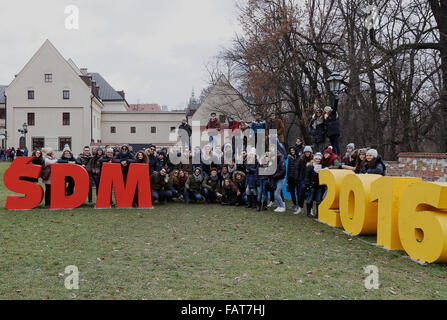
(349, 150)
(330, 159)
(374, 163)
(312, 185)
(317, 129)
(304, 160)
(333, 128)
(351, 163)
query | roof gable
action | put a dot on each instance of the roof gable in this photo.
(106, 91)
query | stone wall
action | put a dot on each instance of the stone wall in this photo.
(428, 166)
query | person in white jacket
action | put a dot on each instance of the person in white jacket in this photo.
(50, 159)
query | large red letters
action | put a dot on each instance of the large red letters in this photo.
(81, 180)
(138, 176)
(33, 192)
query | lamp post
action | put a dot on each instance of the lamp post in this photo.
(335, 81)
(24, 131)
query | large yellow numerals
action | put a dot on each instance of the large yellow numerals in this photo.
(423, 221)
(358, 214)
(329, 208)
(387, 192)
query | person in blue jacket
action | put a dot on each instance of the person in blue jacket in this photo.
(258, 124)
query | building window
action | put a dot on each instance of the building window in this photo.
(66, 118)
(2, 114)
(112, 129)
(153, 129)
(31, 119)
(173, 129)
(38, 143)
(66, 94)
(222, 119)
(64, 141)
(30, 94)
(133, 130)
(48, 78)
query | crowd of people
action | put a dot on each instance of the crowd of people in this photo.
(202, 176)
(11, 153)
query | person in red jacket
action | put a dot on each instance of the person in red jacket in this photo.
(213, 128)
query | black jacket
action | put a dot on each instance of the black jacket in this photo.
(292, 167)
(280, 168)
(311, 178)
(319, 133)
(333, 128)
(187, 128)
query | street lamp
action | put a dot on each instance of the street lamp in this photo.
(24, 131)
(335, 81)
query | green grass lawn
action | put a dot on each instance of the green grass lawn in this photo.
(197, 252)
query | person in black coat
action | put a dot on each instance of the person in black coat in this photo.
(332, 126)
(306, 157)
(185, 133)
(292, 176)
(317, 130)
(313, 189)
(125, 158)
(299, 147)
(152, 156)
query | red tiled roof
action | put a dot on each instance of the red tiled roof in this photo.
(145, 107)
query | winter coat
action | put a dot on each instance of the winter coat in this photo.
(187, 128)
(376, 166)
(48, 162)
(152, 163)
(71, 160)
(210, 184)
(332, 162)
(319, 133)
(161, 164)
(311, 178)
(240, 184)
(213, 127)
(279, 126)
(302, 167)
(292, 168)
(258, 125)
(84, 160)
(194, 183)
(333, 128)
(280, 168)
(299, 149)
(159, 183)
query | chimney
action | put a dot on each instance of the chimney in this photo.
(84, 71)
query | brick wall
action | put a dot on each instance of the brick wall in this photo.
(428, 166)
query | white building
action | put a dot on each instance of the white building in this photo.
(63, 104)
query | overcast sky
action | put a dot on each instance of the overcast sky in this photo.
(154, 50)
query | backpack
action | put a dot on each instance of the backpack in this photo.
(45, 173)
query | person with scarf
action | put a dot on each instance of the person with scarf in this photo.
(346, 160)
(224, 174)
(193, 186)
(211, 187)
(317, 130)
(374, 163)
(330, 159)
(299, 147)
(313, 188)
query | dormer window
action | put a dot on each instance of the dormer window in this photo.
(48, 78)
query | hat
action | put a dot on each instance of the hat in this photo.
(318, 155)
(362, 151)
(327, 109)
(329, 150)
(350, 146)
(308, 149)
(372, 152)
(67, 148)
